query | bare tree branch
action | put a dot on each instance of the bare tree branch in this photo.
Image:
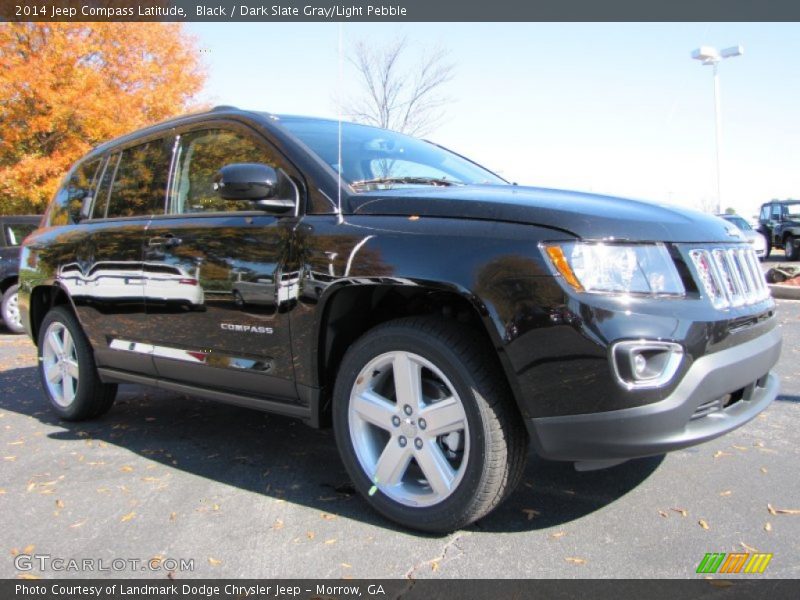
(395, 93)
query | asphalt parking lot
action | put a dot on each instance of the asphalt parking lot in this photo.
(244, 494)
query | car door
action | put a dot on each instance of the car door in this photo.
(214, 291)
(775, 221)
(106, 278)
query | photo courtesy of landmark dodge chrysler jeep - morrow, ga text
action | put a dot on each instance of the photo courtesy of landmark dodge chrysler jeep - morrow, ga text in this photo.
(440, 318)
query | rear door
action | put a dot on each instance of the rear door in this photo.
(216, 304)
(106, 277)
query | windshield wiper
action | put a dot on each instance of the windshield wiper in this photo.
(435, 181)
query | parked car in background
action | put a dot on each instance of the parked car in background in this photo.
(779, 222)
(759, 240)
(440, 318)
(13, 229)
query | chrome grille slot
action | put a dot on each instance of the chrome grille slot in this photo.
(730, 276)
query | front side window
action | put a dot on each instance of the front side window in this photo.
(73, 195)
(201, 154)
(765, 212)
(139, 187)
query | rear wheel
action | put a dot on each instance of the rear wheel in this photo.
(10, 310)
(426, 425)
(67, 369)
(789, 248)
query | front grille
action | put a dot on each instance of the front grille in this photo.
(730, 275)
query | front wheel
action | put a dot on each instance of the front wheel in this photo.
(426, 425)
(789, 248)
(10, 310)
(67, 369)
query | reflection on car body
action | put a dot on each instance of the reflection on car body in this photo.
(131, 279)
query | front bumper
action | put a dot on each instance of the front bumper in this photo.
(685, 418)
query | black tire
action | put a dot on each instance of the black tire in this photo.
(790, 248)
(10, 310)
(498, 446)
(238, 300)
(92, 397)
(768, 247)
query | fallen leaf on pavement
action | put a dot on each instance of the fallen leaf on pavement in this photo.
(531, 513)
(558, 534)
(330, 541)
(78, 524)
(59, 504)
(703, 524)
(748, 548)
(127, 517)
(771, 509)
(328, 517)
(310, 535)
(663, 514)
(126, 469)
(214, 561)
(768, 526)
(682, 511)
(725, 493)
(720, 453)
(575, 560)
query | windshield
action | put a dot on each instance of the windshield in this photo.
(375, 158)
(739, 222)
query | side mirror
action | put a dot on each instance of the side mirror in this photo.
(255, 182)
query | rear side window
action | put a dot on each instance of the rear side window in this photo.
(77, 190)
(140, 183)
(201, 154)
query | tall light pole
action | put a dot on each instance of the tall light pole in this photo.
(708, 55)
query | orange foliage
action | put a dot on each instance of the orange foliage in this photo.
(66, 87)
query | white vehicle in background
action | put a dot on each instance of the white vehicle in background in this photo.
(751, 235)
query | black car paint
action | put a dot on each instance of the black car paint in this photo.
(479, 244)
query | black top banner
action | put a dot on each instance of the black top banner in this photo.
(400, 10)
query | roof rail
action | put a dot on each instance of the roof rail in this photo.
(222, 107)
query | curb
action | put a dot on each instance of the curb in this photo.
(784, 292)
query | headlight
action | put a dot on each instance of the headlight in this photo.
(616, 268)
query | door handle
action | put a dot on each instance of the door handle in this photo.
(168, 240)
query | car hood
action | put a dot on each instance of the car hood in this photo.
(587, 216)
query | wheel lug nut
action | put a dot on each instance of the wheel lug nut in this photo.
(396, 421)
(402, 441)
(422, 424)
(407, 409)
(418, 443)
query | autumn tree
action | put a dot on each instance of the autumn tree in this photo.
(398, 88)
(66, 87)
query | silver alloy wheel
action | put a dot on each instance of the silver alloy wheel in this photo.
(408, 429)
(60, 364)
(12, 310)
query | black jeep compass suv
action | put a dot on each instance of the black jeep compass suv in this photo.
(440, 317)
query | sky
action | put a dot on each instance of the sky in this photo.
(617, 109)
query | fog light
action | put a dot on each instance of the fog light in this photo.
(644, 363)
